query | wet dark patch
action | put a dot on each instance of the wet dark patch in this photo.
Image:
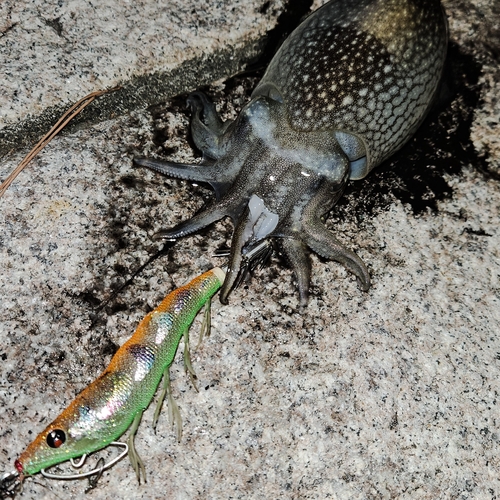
(120, 269)
(162, 133)
(107, 347)
(264, 7)
(100, 344)
(176, 103)
(89, 298)
(121, 243)
(491, 37)
(116, 307)
(53, 359)
(121, 260)
(55, 24)
(147, 224)
(442, 145)
(117, 228)
(128, 276)
(478, 232)
(119, 231)
(97, 321)
(132, 182)
(293, 13)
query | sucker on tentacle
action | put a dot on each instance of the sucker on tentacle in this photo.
(345, 91)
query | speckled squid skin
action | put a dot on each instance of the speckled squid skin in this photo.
(105, 409)
(345, 91)
(371, 72)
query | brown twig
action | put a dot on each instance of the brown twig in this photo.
(77, 108)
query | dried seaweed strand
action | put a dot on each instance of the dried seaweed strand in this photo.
(77, 108)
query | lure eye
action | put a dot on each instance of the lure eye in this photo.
(56, 438)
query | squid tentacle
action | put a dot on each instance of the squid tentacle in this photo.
(295, 253)
(319, 239)
(210, 174)
(234, 270)
(187, 171)
(199, 221)
(207, 137)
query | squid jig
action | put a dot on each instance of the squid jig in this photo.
(116, 400)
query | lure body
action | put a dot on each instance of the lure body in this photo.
(346, 90)
(106, 408)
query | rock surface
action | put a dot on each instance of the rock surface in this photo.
(386, 394)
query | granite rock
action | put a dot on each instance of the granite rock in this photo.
(386, 394)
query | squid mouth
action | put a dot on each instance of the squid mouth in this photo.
(261, 223)
(251, 245)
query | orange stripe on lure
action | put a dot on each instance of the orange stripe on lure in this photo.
(116, 400)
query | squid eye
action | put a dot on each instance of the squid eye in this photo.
(56, 438)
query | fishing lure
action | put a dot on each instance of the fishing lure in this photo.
(115, 401)
(345, 91)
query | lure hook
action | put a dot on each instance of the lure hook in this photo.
(97, 470)
(253, 256)
(78, 464)
(93, 480)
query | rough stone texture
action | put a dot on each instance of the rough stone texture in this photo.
(54, 53)
(386, 394)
